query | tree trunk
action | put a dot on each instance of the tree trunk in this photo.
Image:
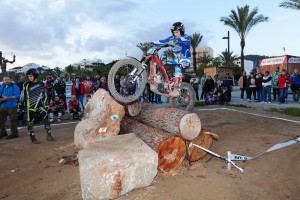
(133, 109)
(172, 120)
(171, 148)
(195, 61)
(205, 139)
(242, 54)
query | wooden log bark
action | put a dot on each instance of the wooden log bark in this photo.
(171, 149)
(133, 109)
(205, 139)
(172, 120)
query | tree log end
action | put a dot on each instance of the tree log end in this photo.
(190, 126)
(205, 139)
(171, 153)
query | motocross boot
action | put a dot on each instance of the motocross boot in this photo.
(49, 136)
(33, 138)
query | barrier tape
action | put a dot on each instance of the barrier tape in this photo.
(273, 148)
(231, 157)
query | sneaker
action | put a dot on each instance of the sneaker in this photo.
(242, 99)
(58, 120)
(51, 120)
(269, 102)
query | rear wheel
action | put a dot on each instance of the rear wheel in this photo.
(128, 91)
(186, 99)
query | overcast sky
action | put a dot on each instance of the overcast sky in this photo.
(61, 32)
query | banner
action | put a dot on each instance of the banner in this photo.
(294, 60)
(273, 61)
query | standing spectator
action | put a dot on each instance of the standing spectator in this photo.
(97, 82)
(288, 84)
(78, 90)
(74, 108)
(267, 82)
(57, 107)
(34, 98)
(209, 86)
(275, 83)
(251, 86)
(60, 89)
(21, 82)
(88, 86)
(10, 93)
(259, 88)
(103, 83)
(295, 85)
(228, 82)
(202, 81)
(283, 80)
(117, 83)
(194, 81)
(217, 81)
(243, 84)
(49, 84)
(122, 85)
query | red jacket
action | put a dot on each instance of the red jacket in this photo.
(82, 89)
(73, 105)
(283, 81)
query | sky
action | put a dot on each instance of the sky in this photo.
(57, 33)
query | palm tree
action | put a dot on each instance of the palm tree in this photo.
(195, 41)
(58, 71)
(242, 22)
(69, 70)
(293, 4)
(205, 60)
(224, 58)
(143, 47)
(216, 62)
(167, 55)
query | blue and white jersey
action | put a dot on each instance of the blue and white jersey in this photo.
(181, 46)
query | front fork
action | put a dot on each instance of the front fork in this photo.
(137, 72)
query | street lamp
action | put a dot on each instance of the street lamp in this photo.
(228, 55)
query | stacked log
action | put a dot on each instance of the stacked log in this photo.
(171, 148)
(172, 120)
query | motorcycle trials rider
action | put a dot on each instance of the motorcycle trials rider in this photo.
(181, 45)
(34, 98)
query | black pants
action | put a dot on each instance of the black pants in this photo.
(197, 93)
(34, 115)
(13, 115)
(275, 91)
(242, 92)
(250, 92)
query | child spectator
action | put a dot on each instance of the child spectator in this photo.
(57, 107)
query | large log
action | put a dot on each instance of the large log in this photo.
(172, 120)
(205, 139)
(133, 109)
(102, 117)
(171, 148)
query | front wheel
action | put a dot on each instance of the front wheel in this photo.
(186, 99)
(126, 90)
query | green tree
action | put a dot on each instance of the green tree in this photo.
(205, 60)
(224, 58)
(195, 41)
(242, 21)
(143, 47)
(69, 70)
(292, 4)
(58, 71)
(167, 55)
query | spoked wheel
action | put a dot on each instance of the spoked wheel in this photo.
(186, 100)
(128, 90)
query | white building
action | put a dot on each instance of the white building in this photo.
(23, 69)
(88, 64)
(248, 65)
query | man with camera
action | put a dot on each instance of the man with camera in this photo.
(9, 94)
